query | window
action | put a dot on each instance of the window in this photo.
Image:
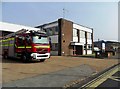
(47, 31)
(88, 35)
(20, 41)
(82, 34)
(42, 40)
(52, 31)
(28, 40)
(54, 47)
(84, 46)
(89, 46)
(56, 30)
(74, 32)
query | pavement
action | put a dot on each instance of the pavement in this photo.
(112, 81)
(0, 71)
(107, 79)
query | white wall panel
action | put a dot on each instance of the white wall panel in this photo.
(89, 51)
(89, 41)
(75, 39)
(82, 40)
(84, 52)
(77, 44)
(82, 28)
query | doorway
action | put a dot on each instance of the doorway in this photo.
(79, 50)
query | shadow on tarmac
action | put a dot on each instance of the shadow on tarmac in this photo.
(15, 60)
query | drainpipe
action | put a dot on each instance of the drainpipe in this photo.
(86, 42)
(92, 41)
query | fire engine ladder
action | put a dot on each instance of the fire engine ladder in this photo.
(18, 32)
(22, 31)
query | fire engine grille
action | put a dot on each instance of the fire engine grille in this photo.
(42, 56)
(42, 50)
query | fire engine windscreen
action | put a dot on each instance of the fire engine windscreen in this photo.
(40, 39)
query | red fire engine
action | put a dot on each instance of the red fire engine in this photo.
(27, 45)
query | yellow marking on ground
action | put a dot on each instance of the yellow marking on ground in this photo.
(97, 81)
(115, 78)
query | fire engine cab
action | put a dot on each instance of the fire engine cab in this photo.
(27, 45)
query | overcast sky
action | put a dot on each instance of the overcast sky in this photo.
(101, 16)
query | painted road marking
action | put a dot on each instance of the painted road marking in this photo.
(99, 80)
(115, 78)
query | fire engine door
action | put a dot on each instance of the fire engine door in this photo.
(28, 43)
(20, 44)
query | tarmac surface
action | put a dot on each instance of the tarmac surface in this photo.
(54, 72)
(55, 79)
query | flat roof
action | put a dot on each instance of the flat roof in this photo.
(4, 26)
(63, 19)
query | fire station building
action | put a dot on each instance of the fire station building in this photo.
(69, 38)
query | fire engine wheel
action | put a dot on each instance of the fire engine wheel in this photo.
(25, 58)
(42, 60)
(5, 56)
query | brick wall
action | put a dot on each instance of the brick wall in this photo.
(66, 28)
